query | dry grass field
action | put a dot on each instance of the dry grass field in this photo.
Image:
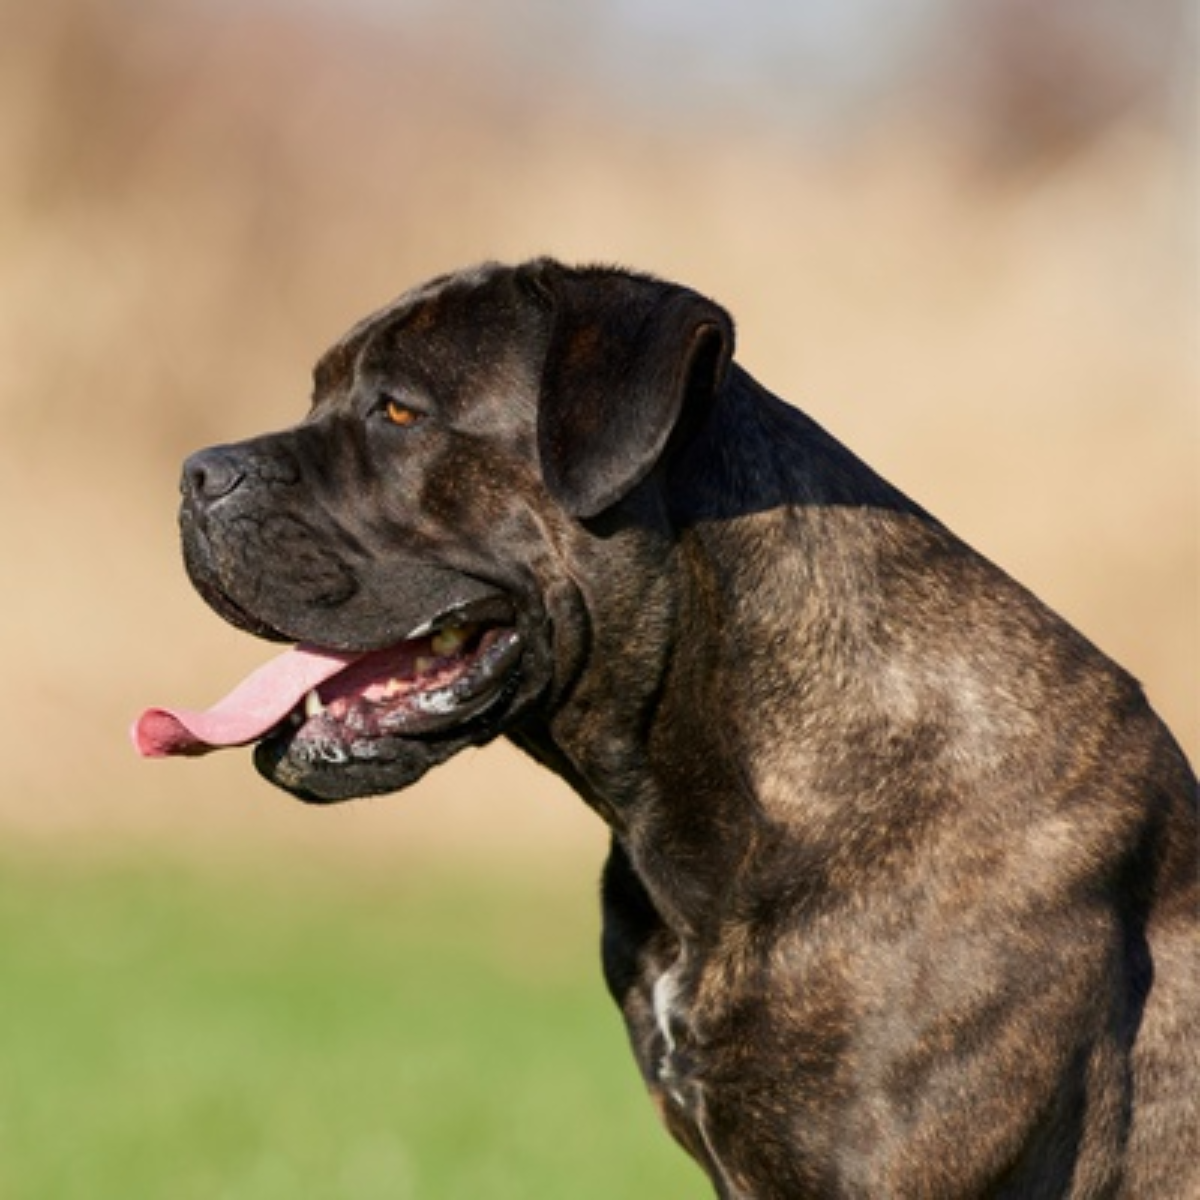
(192, 206)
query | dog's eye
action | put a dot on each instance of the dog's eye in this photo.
(399, 413)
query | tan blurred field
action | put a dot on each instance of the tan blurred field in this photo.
(191, 209)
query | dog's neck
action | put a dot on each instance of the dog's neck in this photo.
(789, 619)
(790, 582)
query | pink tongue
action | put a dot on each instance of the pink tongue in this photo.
(251, 710)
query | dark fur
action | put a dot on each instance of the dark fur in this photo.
(909, 866)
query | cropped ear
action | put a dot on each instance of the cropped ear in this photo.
(629, 359)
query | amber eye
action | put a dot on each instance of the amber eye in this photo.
(399, 413)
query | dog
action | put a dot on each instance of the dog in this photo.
(902, 900)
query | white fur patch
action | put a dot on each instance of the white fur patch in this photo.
(666, 989)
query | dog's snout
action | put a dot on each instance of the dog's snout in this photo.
(210, 475)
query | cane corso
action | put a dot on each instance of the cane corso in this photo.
(902, 897)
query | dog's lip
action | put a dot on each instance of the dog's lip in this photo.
(495, 610)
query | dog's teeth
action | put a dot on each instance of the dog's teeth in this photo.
(425, 665)
(312, 705)
(448, 641)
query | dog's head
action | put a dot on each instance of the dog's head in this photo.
(422, 528)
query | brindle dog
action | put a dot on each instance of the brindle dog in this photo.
(902, 899)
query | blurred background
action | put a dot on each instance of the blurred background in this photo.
(959, 233)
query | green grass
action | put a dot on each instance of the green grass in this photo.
(175, 1032)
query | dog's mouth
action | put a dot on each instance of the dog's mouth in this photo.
(333, 707)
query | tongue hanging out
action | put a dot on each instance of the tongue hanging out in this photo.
(344, 700)
(260, 702)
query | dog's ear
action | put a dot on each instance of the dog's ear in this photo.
(630, 359)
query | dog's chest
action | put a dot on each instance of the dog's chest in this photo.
(673, 1061)
(676, 1069)
(667, 1013)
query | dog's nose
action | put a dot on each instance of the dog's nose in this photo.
(211, 474)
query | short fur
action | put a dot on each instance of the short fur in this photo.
(902, 899)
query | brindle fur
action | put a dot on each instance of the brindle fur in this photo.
(902, 898)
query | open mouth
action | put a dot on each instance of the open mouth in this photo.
(336, 706)
(421, 687)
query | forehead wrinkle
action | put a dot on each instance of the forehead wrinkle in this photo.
(370, 346)
(343, 363)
